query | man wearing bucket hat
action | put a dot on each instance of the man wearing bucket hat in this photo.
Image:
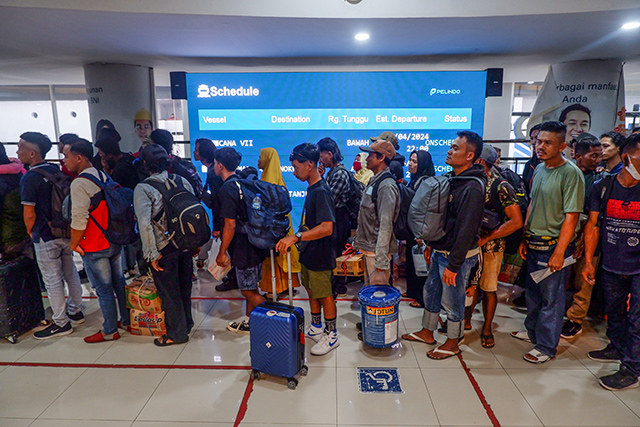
(454, 255)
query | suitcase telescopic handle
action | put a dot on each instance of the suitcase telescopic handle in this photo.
(289, 276)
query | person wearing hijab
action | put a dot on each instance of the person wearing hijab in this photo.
(360, 167)
(269, 162)
(420, 167)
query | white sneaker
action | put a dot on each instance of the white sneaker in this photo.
(315, 332)
(328, 342)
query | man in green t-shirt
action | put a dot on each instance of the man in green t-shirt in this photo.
(557, 199)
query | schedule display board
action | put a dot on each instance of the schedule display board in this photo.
(250, 111)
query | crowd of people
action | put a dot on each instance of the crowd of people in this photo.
(573, 218)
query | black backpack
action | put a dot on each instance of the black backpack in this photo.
(121, 226)
(522, 195)
(356, 188)
(188, 171)
(187, 220)
(401, 223)
(59, 223)
(268, 223)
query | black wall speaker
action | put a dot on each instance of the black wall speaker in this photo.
(179, 84)
(494, 81)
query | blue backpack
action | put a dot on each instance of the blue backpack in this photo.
(121, 228)
(267, 221)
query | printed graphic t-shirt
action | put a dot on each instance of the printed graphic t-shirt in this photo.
(620, 231)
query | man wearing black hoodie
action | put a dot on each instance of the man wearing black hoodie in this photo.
(453, 256)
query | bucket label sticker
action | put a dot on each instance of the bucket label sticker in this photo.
(381, 311)
(379, 380)
(391, 332)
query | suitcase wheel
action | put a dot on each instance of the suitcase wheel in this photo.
(255, 374)
(304, 371)
(13, 338)
(292, 384)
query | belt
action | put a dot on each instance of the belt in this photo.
(540, 243)
(472, 252)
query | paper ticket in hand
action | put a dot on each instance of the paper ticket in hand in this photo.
(540, 275)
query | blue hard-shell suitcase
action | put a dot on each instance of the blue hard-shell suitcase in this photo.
(277, 338)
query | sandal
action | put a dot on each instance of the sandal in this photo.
(415, 338)
(403, 295)
(447, 353)
(415, 304)
(537, 357)
(487, 341)
(165, 341)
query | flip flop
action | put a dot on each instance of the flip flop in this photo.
(415, 304)
(484, 341)
(447, 353)
(415, 338)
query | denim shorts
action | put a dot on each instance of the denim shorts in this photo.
(249, 278)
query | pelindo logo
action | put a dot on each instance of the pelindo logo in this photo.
(206, 91)
(435, 91)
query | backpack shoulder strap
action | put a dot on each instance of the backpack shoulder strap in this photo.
(607, 186)
(495, 197)
(44, 173)
(385, 175)
(99, 182)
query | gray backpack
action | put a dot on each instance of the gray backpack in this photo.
(428, 211)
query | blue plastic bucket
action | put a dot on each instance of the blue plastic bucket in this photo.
(379, 308)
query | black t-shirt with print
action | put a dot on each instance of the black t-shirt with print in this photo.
(620, 230)
(319, 255)
(242, 253)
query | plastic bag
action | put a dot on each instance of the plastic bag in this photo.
(420, 264)
(216, 271)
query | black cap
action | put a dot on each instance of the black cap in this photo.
(153, 153)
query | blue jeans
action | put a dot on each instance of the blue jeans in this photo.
(437, 295)
(104, 270)
(545, 301)
(56, 265)
(623, 325)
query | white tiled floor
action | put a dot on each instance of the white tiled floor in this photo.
(203, 383)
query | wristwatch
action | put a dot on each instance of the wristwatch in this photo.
(299, 235)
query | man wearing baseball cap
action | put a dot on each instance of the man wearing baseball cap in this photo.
(379, 209)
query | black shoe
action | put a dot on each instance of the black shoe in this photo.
(520, 301)
(359, 326)
(607, 354)
(570, 329)
(53, 331)
(77, 318)
(624, 379)
(360, 336)
(224, 287)
(341, 291)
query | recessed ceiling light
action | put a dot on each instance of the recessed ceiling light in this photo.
(362, 36)
(631, 25)
(531, 82)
